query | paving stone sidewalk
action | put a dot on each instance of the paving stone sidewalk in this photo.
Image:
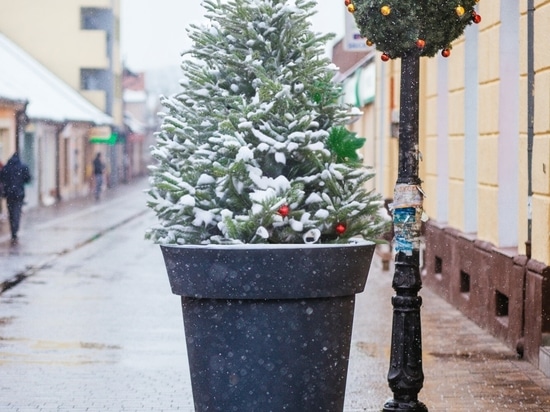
(117, 367)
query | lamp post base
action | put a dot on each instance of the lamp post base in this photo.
(393, 405)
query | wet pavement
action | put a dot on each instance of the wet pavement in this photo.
(91, 325)
(49, 232)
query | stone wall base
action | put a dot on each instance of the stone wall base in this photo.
(504, 293)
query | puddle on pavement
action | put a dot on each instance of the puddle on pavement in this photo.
(55, 345)
(11, 299)
(9, 358)
(473, 356)
(368, 348)
(45, 352)
(6, 320)
(14, 296)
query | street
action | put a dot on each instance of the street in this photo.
(94, 326)
(96, 330)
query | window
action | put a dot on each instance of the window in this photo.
(4, 133)
(92, 19)
(92, 79)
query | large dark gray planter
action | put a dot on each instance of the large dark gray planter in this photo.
(268, 327)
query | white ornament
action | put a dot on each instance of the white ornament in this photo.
(262, 232)
(312, 236)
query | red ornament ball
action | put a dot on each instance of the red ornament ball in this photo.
(385, 57)
(420, 43)
(284, 210)
(476, 18)
(446, 53)
(340, 228)
(347, 2)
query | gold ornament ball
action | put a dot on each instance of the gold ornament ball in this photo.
(460, 11)
(369, 43)
(385, 10)
(351, 8)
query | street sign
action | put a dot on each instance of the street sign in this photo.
(353, 41)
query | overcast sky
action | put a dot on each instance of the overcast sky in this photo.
(153, 31)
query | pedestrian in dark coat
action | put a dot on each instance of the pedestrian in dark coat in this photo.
(98, 175)
(14, 175)
(1, 192)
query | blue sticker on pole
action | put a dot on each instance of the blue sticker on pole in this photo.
(404, 215)
(405, 228)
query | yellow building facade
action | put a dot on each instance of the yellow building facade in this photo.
(77, 40)
(484, 141)
(474, 133)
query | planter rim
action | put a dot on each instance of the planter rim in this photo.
(285, 271)
(254, 246)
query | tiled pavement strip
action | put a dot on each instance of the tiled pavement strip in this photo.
(465, 368)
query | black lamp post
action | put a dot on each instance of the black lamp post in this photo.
(405, 376)
(408, 29)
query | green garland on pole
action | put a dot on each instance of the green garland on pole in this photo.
(398, 26)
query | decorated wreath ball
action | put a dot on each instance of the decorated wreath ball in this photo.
(398, 27)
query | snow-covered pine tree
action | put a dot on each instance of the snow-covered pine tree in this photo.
(254, 149)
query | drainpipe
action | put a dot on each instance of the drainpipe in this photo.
(520, 344)
(530, 119)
